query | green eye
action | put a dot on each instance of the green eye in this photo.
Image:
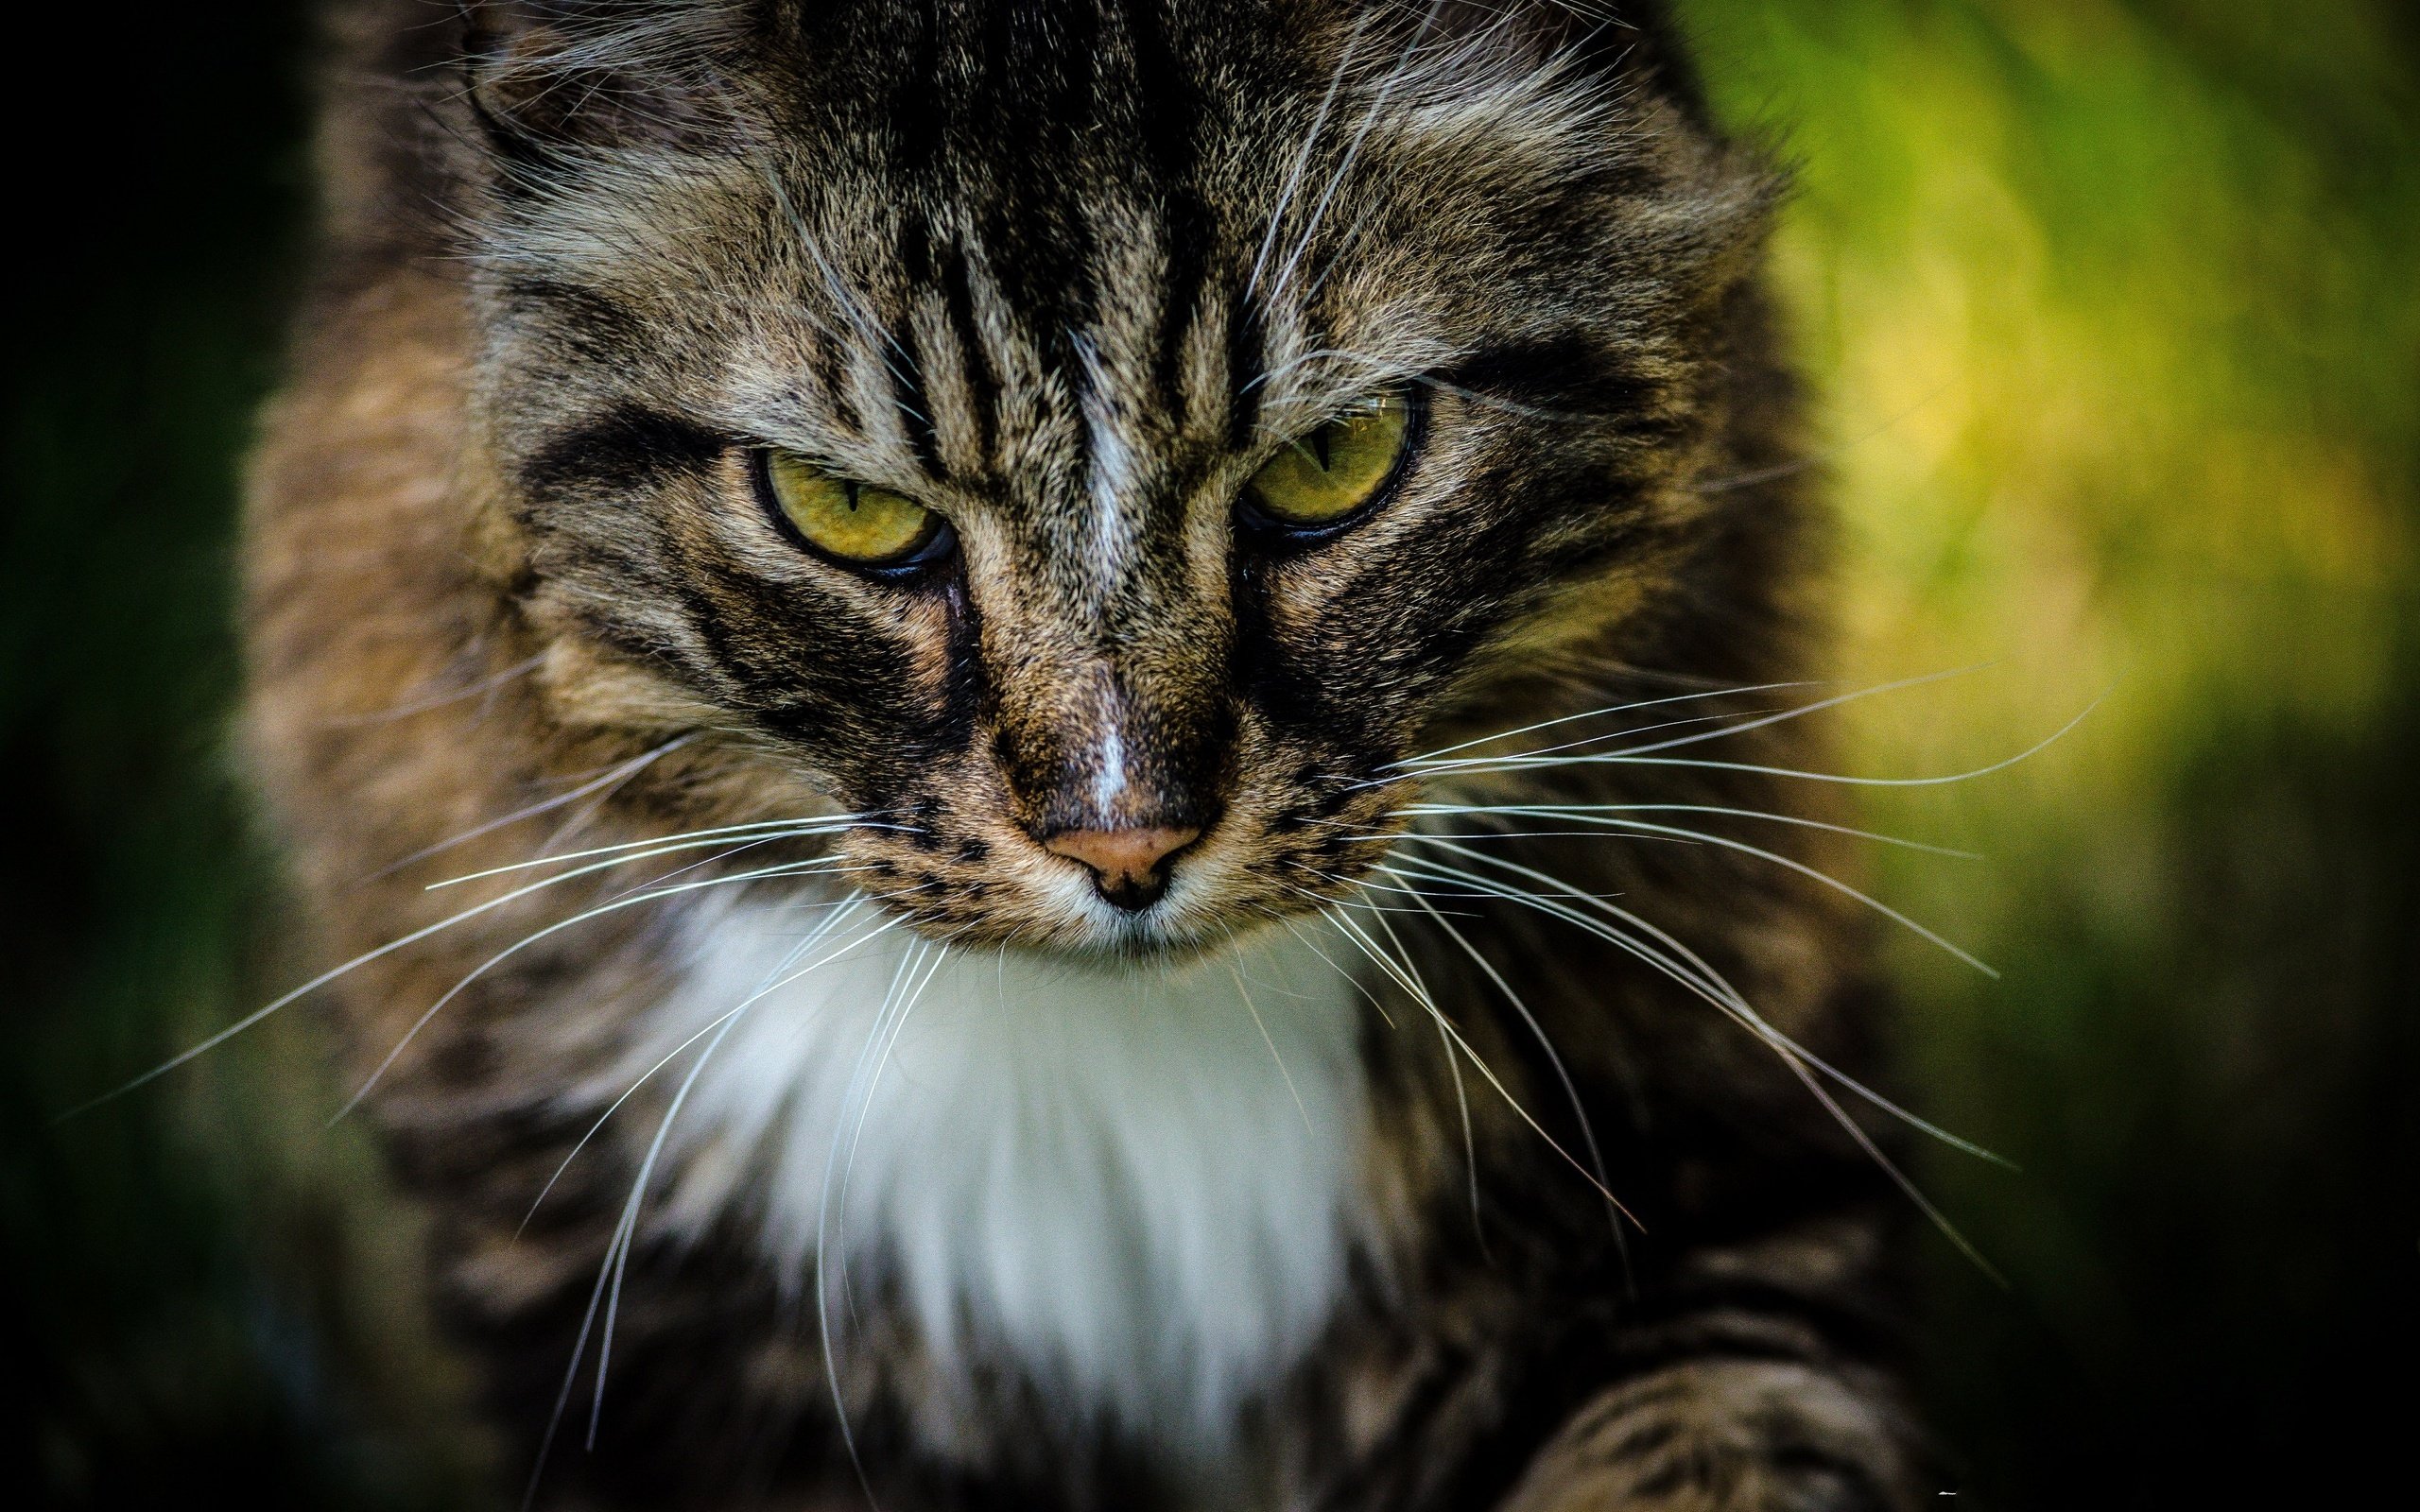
(852, 522)
(1323, 476)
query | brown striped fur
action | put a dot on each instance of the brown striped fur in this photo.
(580, 257)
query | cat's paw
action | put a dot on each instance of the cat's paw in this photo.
(1729, 1435)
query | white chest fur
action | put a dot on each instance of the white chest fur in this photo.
(1137, 1184)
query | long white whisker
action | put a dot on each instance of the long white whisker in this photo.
(1478, 889)
(1518, 761)
(1351, 154)
(1790, 863)
(1257, 1022)
(1554, 1058)
(823, 1215)
(667, 844)
(1802, 710)
(1585, 813)
(1425, 768)
(1487, 1071)
(610, 1272)
(618, 1263)
(1365, 886)
(940, 954)
(1793, 1056)
(883, 343)
(1685, 967)
(1453, 1061)
(847, 907)
(333, 974)
(792, 869)
(1333, 965)
(1599, 713)
(718, 858)
(614, 778)
(1630, 758)
(1939, 1219)
(436, 702)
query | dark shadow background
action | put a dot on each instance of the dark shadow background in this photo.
(2115, 305)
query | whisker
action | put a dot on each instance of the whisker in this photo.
(1351, 154)
(664, 845)
(616, 1255)
(617, 1262)
(822, 1214)
(847, 907)
(1790, 863)
(1581, 814)
(1599, 713)
(618, 1251)
(1407, 979)
(1633, 757)
(613, 779)
(794, 869)
(1797, 1058)
(1709, 984)
(1481, 889)
(1484, 1070)
(436, 702)
(1428, 768)
(882, 342)
(1823, 456)
(1358, 986)
(940, 951)
(1262, 1025)
(1303, 159)
(1802, 710)
(332, 975)
(1563, 1074)
(1521, 759)
(1939, 1219)
(716, 859)
(1367, 885)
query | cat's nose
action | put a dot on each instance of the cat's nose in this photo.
(1128, 864)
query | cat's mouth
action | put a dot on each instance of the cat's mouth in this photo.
(1160, 891)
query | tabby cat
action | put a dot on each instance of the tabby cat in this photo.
(1108, 693)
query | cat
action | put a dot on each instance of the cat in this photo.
(1115, 696)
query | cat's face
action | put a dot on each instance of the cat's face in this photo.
(1095, 443)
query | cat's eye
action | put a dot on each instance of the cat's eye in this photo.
(1320, 478)
(854, 524)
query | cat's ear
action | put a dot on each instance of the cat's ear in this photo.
(1627, 45)
(544, 76)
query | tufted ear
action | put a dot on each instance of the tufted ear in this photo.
(1629, 42)
(546, 76)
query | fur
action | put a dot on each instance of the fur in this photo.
(1511, 745)
(1138, 1183)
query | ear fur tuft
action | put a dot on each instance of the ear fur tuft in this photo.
(545, 76)
(1634, 41)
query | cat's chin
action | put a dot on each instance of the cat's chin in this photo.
(1139, 942)
(1141, 945)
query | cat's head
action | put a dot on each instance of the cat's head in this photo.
(1095, 439)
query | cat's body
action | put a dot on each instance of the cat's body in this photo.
(1265, 1188)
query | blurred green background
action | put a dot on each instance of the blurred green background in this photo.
(2115, 311)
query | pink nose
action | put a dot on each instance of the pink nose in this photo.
(1126, 863)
